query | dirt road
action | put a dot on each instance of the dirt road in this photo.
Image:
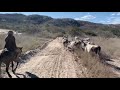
(52, 62)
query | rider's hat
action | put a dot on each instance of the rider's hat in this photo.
(10, 33)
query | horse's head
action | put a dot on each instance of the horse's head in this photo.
(19, 50)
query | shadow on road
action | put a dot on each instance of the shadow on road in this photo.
(18, 75)
(31, 75)
(27, 75)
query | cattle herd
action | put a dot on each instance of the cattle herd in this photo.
(85, 44)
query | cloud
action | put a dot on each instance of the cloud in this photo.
(108, 21)
(86, 17)
(112, 17)
(118, 13)
(77, 18)
(113, 20)
(113, 14)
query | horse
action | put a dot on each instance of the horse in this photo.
(8, 57)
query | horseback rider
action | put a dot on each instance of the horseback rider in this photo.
(10, 44)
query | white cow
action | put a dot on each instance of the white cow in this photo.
(94, 48)
(76, 38)
(71, 45)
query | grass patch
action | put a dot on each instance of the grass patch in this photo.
(95, 68)
(28, 42)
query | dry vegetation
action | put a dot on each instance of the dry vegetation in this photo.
(28, 42)
(110, 46)
(95, 68)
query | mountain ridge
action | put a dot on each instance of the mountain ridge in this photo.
(48, 26)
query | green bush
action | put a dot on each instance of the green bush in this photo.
(91, 34)
(116, 32)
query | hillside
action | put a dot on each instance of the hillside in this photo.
(49, 27)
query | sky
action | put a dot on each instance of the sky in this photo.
(96, 17)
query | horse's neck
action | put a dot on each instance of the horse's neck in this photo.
(16, 54)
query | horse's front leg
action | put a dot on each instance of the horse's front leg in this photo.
(7, 67)
(13, 67)
(14, 70)
(16, 67)
(0, 71)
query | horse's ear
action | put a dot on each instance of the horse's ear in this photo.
(21, 48)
